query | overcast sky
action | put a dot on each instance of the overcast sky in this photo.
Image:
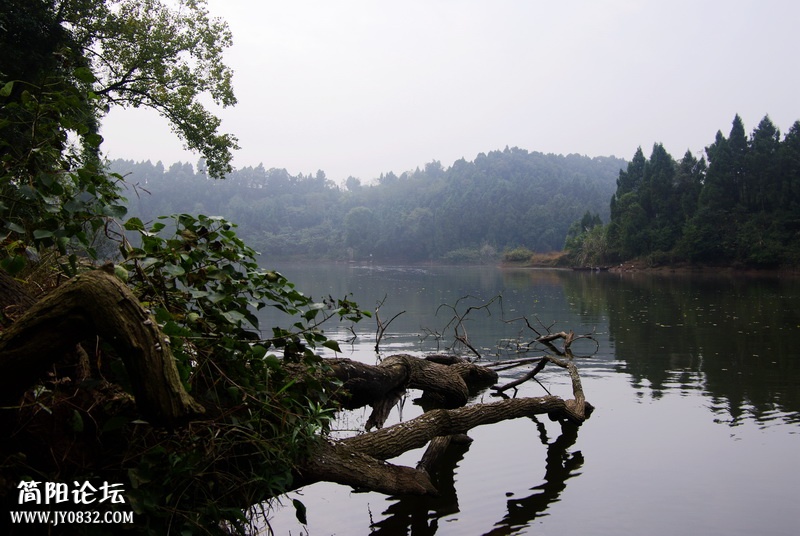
(363, 87)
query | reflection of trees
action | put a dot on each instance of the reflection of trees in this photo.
(726, 336)
(419, 516)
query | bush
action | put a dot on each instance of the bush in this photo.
(519, 254)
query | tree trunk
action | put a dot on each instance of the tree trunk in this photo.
(359, 461)
(95, 304)
(445, 381)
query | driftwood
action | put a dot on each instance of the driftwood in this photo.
(444, 382)
(95, 304)
(549, 337)
(360, 461)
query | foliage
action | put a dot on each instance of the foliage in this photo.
(587, 241)
(63, 65)
(740, 208)
(166, 56)
(519, 254)
(53, 193)
(204, 286)
(49, 196)
(502, 199)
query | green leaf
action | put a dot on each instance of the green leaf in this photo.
(114, 211)
(15, 227)
(333, 345)
(174, 270)
(13, 264)
(310, 314)
(6, 89)
(94, 140)
(84, 74)
(39, 234)
(76, 421)
(259, 351)
(273, 362)
(62, 242)
(74, 205)
(134, 224)
(162, 315)
(234, 317)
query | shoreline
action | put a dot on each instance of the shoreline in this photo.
(701, 269)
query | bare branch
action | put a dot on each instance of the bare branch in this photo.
(381, 326)
(458, 321)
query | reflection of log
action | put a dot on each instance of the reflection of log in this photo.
(95, 304)
(559, 467)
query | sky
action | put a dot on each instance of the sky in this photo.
(361, 87)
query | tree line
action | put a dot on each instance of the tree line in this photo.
(737, 205)
(470, 211)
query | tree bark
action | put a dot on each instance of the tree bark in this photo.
(445, 381)
(95, 304)
(359, 461)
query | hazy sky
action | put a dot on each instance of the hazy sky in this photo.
(363, 87)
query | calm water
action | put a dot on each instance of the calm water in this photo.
(696, 383)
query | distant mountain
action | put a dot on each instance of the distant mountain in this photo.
(501, 200)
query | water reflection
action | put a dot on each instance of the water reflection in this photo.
(420, 516)
(560, 465)
(681, 360)
(732, 338)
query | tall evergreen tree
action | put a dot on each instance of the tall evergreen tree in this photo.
(659, 199)
(738, 147)
(762, 174)
(630, 178)
(689, 179)
(789, 169)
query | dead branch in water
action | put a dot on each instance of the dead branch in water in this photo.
(381, 326)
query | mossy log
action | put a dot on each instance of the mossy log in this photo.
(95, 304)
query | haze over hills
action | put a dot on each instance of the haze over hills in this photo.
(501, 200)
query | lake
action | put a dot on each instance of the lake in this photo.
(695, 380)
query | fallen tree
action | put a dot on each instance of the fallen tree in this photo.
(96, 305)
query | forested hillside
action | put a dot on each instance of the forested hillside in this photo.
(741, 206)
(467, 212)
